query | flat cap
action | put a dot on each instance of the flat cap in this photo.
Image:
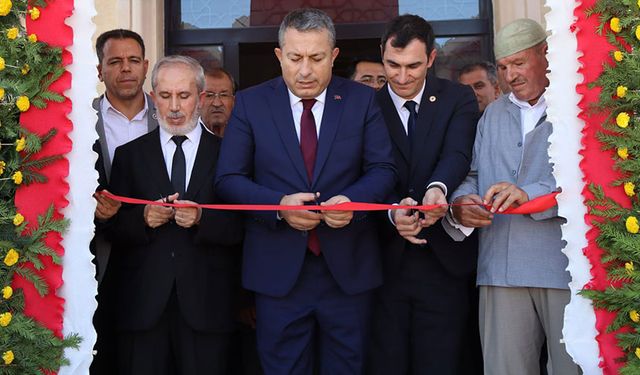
(517, 36)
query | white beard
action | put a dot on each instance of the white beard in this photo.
(183, 129)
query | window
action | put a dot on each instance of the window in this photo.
(242, 34)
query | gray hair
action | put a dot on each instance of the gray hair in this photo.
(307, 19)
(487, 66)
(175, 60)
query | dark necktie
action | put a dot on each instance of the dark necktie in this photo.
(308, 146)
(179, 166)
(411, 123)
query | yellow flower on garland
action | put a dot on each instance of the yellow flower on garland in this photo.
(623, 152)
(17, 177)
(630, 189)
(622, 120)
(638, 352)
(617, 55)
(11, 258)
(32, 38)
(632, 226)
(25, 69)
(18, 219)
(2, 166)
(629, 267)
(23, 103)
(1, 61)
(5, 7)
(34, 13)
(12, 33)
(1, 93)
(638, 32)
(20, 144)
(5, 319)
(8, 357)
(7, 292)
(621, 91)
(615, 25)
(634, 316)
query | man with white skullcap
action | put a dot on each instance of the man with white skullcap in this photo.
(521, 269)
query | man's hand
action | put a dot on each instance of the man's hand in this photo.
(105, 207)
(434, 196)
(408, 224)
(473, 216)
(503, 195)
(156, 216)
(337, 219)
(187, 217)
(300, 220)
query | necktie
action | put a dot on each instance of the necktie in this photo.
(411, 124)
(308, 146)
(179, 166)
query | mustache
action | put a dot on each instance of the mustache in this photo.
(175, 115)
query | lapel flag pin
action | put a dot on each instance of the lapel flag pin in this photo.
(432, 98)
(337, 97)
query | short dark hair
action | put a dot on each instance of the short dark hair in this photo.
(307, 19)
(403, 29)
(351, 69)
(488, 67)
(218, 72)
(116, 34)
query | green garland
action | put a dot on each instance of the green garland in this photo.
(618, 225)
(27, 68)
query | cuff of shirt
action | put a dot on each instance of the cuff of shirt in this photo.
(454, 223)
(439, 185)
(390, 214)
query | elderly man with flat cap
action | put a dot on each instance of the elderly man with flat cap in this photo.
(521, 268)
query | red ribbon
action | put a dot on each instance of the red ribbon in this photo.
(533, 206)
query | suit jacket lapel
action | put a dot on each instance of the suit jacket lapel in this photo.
(283, 119)
(152, 116)
(394, 124)
(157, 170)
(427, 112)
(207, 151)
(329, 127)
(104, 148)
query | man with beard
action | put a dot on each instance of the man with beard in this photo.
(124, 113)
(219, 98)
(174, 265)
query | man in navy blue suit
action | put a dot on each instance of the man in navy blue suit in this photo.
(420, 321)
(302, 138)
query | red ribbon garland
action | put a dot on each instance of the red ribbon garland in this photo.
(533, 206)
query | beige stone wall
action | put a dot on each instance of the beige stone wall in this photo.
(505, 11)
(146, 17)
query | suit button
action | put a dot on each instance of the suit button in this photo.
(411, 191)
(513, 172)
(173, 255)
(519, 144)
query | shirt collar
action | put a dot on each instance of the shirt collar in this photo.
(293, 99)
(398, 102)
(106, 105)
(525, 105)
(193, 135)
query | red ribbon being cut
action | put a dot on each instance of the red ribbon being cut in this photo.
(533, 206)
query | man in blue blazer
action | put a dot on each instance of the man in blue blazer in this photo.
(420, 321)
(302, 138)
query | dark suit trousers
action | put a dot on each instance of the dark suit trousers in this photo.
(315, 325)
(420, 319)
(172, 347)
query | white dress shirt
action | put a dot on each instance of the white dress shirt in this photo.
(529, 114)
(189, 147)
(118, 129)
(317, 110)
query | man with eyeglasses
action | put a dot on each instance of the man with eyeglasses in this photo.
(220, 89)
(369, 71)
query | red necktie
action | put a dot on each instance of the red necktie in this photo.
(308, 146)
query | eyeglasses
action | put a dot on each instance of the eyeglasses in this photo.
(210, 95)
(371, 80)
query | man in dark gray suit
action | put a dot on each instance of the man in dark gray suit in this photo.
(124, 113)
(521, 268)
